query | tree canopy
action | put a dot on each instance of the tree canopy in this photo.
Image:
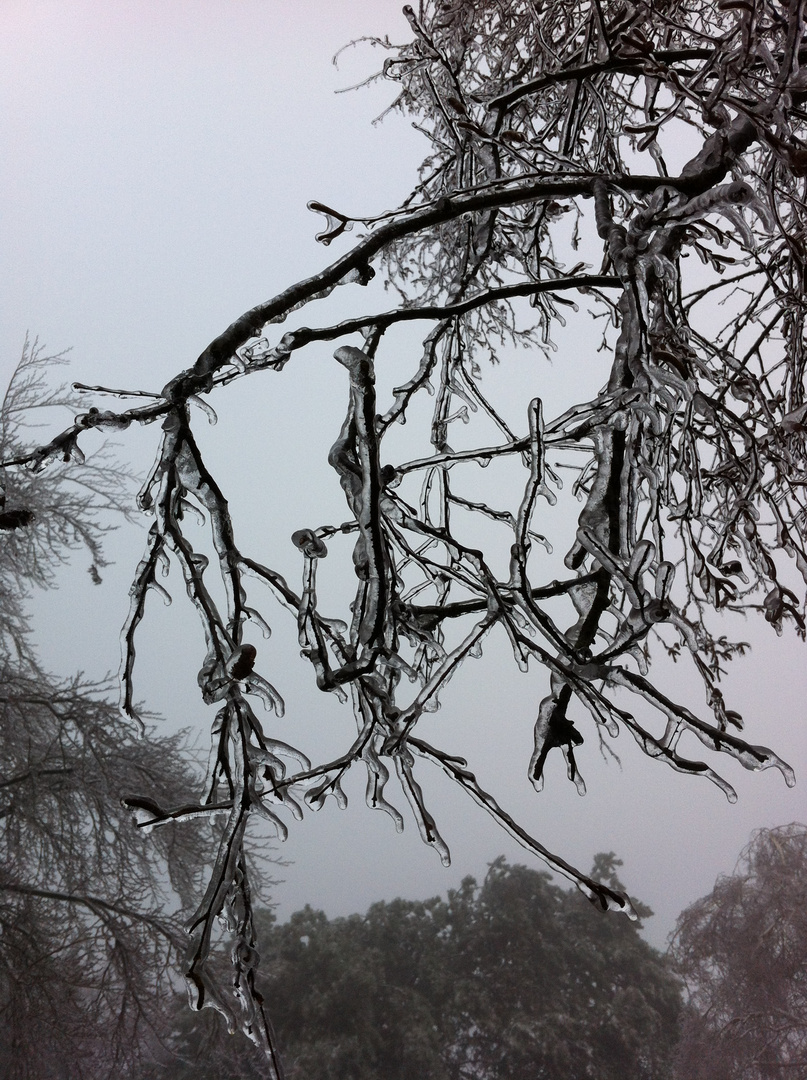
(645, 160)
(515, 979)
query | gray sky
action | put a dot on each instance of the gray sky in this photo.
(155, 164)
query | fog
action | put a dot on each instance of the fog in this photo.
(156, 164)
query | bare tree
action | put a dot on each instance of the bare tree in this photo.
(90, 914)
(46, 515)
(742, 951)
(554, 132)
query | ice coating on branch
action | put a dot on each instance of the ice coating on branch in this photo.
(162, 592)
(553, 729)
(149, 815)
(377, 777)
(205, 408)
(307, 541)
(255, 616)
(726, 199)
(414, 795)
(605, 898)
(264, 690)
(315, 796)
(241, 662)
(688, 464)
(281, 830)
(336, 223)
(753, 758)
(259, 350)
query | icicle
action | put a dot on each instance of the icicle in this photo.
(205, 408)
(425, 822)
(315, 797)
(377, 777)
(264, 690)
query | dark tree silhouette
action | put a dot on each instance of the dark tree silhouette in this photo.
(515, 979)
(633, 135)
(742, 951)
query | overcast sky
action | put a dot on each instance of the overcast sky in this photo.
(155, 166)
